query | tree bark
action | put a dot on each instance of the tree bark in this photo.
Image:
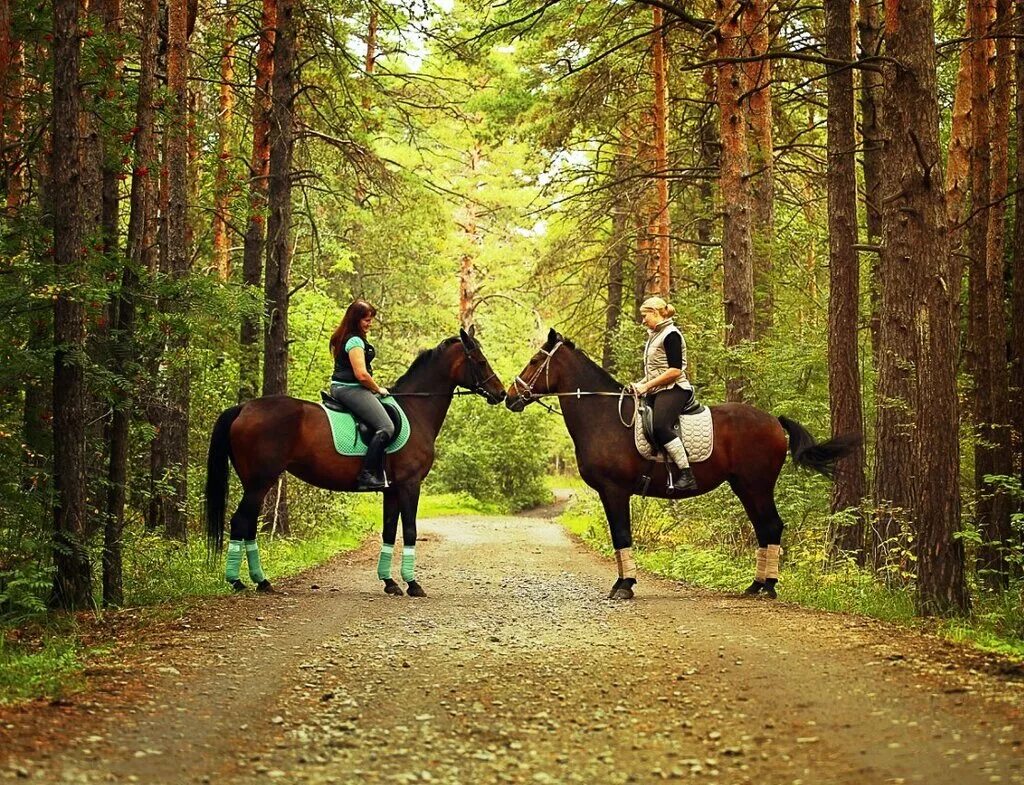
(72, 586)
(737, 250)
(12, 112)
(468, 284)
(252, 254)
(223, 188)
(844, 272)
(279, 224)
(762, 165)
(915, 241)
(177, 380)
(997, 531)
(661, 228)
(872, 88)
(1017, 266)
(617, 251)
(958, 163)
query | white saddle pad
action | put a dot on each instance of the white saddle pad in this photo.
(695, 430)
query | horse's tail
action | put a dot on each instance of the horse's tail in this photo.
(822, 457)
(217, 478)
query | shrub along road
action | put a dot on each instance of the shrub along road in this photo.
(515, 669)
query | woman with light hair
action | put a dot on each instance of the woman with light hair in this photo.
(666, 384)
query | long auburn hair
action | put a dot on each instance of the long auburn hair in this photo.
(357, 311)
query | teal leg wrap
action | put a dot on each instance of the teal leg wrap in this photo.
(384, 563)
(252, 556)
(234, 560)
(409, 563)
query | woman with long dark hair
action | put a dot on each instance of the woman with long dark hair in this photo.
(353, 386)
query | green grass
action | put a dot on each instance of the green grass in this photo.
(51, 666)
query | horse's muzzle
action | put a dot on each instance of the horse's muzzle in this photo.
(516, 403)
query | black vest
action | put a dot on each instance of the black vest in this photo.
(343, 366)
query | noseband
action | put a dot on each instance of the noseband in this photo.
(527, 387)
(478, 383)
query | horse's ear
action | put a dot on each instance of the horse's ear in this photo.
(472, 331)
(553, 336)
(467, 338)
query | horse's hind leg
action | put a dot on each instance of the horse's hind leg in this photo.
(764, 515)
(243, 540)
(387, 547)
(408, 503)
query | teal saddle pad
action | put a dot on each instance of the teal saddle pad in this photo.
(346, 438)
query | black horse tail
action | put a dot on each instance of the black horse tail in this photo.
(217, 479)
(822, 457)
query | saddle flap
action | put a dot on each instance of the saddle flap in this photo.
(364, 431)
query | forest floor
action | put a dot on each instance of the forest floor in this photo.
(516, 669)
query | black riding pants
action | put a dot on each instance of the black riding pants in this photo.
(667, 405)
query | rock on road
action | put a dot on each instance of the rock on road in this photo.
(515, 669)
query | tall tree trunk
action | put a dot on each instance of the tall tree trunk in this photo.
(894, 391)
(223, 187)
(617, 251)
(872, 88)
(279, 224)
(844, 272)
(370, 61)
(1017, 262)
(997, 530)
(176, 395)
(737, 250)
(978, 359)
(468, 284)
(915, 241)
(73, 578)
(252, 254)
(762, 165)
(958, 158)
(12, 112)
(661, 229)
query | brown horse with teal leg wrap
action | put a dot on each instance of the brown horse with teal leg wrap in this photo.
(749, 450)
(266, 437)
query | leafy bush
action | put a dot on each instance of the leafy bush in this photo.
(494, 455)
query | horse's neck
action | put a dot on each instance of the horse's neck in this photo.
(589, 413)
(434, 391)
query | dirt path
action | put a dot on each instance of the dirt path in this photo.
(515, 669)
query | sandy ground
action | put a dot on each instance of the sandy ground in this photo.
(516, 669)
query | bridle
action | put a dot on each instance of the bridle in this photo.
(476, 386)
(528, 395)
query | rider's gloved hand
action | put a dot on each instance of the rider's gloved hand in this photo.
(638, 387)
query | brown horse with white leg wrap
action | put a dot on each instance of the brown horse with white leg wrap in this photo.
(749, 449)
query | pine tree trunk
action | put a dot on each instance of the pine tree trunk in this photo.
(958, 157)
(872, 89)
(762, 166)
(844, 271)
(252, 254)
(12, 111)
(915, 240)
(737, 250)
(279, 248)
(998, 531)
(223, 188)
(176, 394)
(661, 229)
(1017, 268)
(73, 577)
(617, 251)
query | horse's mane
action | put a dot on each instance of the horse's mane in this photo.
(601, 372)
(424, 357)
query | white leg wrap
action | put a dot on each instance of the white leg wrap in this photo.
(624, 561)
(761, 572)
(772, 558)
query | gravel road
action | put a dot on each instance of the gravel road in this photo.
(516, 669)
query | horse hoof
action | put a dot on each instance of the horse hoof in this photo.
(769, 589)
(754, 588)
(615, 588)
(265, 587)
(622, 593)
(237, 585)
(415, 590)
(390, 587)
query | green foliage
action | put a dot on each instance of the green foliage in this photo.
(497, 457)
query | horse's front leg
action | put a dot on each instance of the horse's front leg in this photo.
(408, 502)
(616, 509)
(387, 548)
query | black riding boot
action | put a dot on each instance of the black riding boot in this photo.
(371, 476)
